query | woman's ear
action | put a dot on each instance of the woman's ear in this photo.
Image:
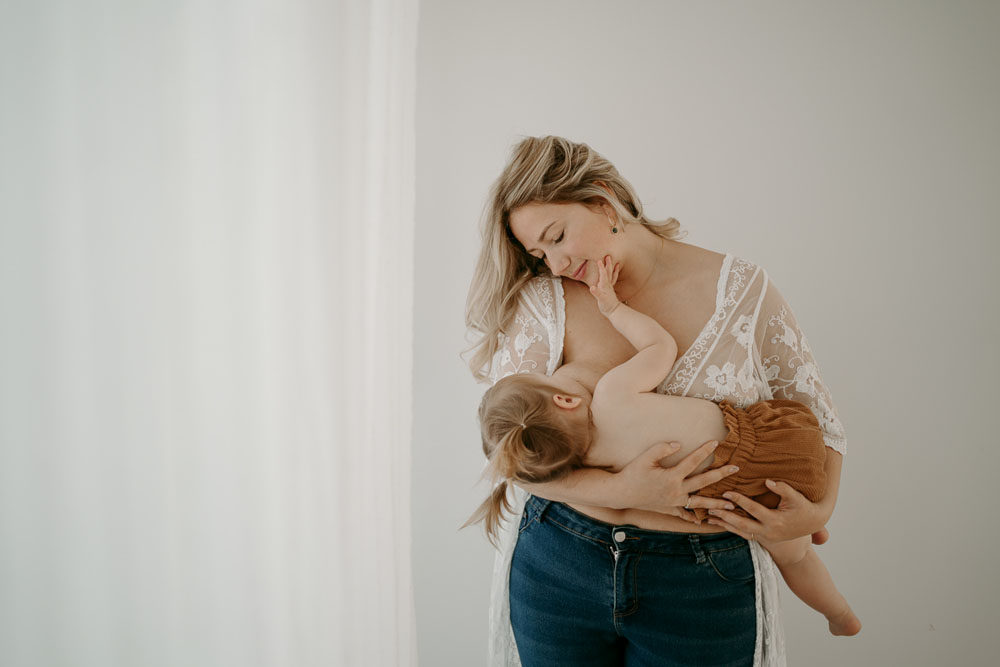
(605, 187)
(566, 402)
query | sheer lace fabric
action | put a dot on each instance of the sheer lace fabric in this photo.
(750, 350)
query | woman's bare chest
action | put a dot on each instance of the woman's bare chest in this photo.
(593, 341)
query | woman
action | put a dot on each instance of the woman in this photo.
(606, 569)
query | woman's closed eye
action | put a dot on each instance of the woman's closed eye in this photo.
(541, 256)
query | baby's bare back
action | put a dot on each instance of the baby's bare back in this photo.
(627, 424)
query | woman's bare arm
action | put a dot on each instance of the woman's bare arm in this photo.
(643, 484)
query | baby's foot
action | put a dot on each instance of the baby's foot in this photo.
(844, 624)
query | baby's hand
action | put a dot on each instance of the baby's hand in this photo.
(603, 291)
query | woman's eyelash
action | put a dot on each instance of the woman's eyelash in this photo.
(560, 238)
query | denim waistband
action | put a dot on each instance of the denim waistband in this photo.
(627, 537)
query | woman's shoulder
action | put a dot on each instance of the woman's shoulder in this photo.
(734, 279)
(543, 294)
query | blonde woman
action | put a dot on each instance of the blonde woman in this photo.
(606, 568)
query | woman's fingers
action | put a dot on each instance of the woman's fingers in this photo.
(683, 514)
(735, 523)
(647, 484)
(704, 502)
(752, 507)
(732, 529)
(655, 453)
(651, 457)
(787, 493)
(687, 464)
(707, 478)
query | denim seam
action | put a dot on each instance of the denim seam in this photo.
(635, 591)
(526, 525)
(719, 551)
(578, 534)
(725, 578)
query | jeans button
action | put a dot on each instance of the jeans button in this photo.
(619, 536)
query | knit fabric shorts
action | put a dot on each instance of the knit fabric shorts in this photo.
(778, 440)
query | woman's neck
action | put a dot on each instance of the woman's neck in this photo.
(649, 264)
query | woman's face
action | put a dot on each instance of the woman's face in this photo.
(571, 238)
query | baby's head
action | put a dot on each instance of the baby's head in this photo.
(534, 430)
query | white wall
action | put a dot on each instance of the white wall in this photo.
(853, 150)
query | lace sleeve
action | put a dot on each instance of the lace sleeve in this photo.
(788, 366)
(533, 340)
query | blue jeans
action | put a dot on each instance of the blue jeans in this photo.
(585, 592)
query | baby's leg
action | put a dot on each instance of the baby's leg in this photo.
(809, 579)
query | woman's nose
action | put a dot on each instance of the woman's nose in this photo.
(558, 263)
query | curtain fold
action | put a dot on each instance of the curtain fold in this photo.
(206, 239)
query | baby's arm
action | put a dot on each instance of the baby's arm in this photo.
(656, 350)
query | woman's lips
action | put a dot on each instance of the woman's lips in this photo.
(579, 272)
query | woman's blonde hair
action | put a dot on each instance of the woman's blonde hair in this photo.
(550, 170)
(526, 438)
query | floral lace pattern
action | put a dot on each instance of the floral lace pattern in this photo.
(751, 349)
(791, 373)
(535, 321)
(686, 368)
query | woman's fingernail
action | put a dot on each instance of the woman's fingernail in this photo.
(730, 506)
(734, 468)
(714, 444)
(770, 483)
(713, 512)
(727, 495)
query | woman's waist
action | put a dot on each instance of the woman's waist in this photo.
(644, 519)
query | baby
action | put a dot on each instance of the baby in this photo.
(537, 429)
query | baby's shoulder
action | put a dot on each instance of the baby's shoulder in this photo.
(610, 396)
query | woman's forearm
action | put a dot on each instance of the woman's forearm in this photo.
(585, 486)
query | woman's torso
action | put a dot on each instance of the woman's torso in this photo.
(683, 308)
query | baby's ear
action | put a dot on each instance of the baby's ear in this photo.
(566, 402)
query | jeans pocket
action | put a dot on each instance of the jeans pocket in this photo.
(733, 565)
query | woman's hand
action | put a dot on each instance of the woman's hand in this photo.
(794, 516)
(646, 485)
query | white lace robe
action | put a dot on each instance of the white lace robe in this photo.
(750, 350)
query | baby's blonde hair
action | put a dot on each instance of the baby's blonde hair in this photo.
(546, 170)
(526, 437)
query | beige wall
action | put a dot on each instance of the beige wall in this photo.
(853, 150)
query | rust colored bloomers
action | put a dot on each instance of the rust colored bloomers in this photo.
(778, 440)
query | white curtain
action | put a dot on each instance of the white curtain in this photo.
(206, 233)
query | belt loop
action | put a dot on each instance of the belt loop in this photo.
(699, 552)
(542, 505)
